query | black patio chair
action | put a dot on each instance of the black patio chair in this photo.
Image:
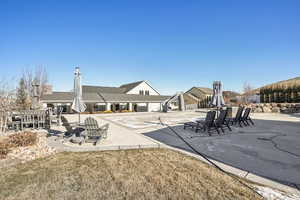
(27, 120)
(221, 121)
(200, 123)
(237, 118)
(246, 117)
(208, 123)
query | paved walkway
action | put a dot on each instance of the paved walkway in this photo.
(118, 138)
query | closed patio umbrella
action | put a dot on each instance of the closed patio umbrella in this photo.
(78, 104)
(217, 100)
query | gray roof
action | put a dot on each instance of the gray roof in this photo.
(115, 90)
(101, 89)
(99, 94)
(206, 90)
(200, 92)
(130, 86)
(67, 97)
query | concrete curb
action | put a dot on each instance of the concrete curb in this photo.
(66, 148)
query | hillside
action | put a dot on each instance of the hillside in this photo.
(281, 84)
(286, 83)
(230, 94)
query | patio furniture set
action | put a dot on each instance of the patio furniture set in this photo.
(88, 132)
(35, 119)
(222, 122)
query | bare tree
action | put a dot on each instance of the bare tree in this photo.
(7, 103)
(38, 76)
(28, 80)
(247, 89)
(41, 78)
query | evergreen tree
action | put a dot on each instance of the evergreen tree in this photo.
(288, 95)
(272, 96)
(262, 97)
(23, 100)
(298, 94)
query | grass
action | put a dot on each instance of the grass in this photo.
(128, 174)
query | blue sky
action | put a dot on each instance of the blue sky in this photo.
(173, 44)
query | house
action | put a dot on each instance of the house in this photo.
(198, 95)
(137, 97)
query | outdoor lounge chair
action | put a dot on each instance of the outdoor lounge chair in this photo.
(246, 118)
(207, 124)
(196, 124)
(204, 125)
(237, 118)
(69, 129)
(221, 121)
(93, 133)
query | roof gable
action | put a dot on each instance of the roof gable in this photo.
(130, 86)
(199, 92)
(205, 90)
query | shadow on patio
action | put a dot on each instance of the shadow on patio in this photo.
(269, 149)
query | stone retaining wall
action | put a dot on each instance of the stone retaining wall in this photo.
(275, 108)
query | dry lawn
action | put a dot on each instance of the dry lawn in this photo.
(130, 174)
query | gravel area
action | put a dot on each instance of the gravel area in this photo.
(24, 154)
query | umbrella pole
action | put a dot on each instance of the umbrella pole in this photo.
(79, 117)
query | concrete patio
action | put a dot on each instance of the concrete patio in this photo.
(118, 138)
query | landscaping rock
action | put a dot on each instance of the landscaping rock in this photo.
(39, 150)
(257, 110)
(274, 104)
(276, 110)
(275, 107)
(266, 109)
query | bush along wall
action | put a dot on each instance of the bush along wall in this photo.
(280, 95)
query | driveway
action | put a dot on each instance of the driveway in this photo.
(270, 149)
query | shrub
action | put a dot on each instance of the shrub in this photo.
(23, 139)
(5, 148)
(17, 140)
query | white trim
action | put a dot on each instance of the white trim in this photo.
(140, 84)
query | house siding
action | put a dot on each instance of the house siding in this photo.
(143, 87)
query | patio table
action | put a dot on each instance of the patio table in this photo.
(78, 129)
